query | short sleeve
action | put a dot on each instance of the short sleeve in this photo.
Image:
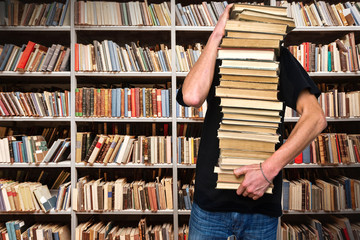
(293, 79)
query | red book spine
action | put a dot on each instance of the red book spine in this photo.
(137, 102)
(2, 106)
(357, 154)
(20, 152)
(158, 102)
(299, 158)
(133, 103)
(307, 57)
(76, 57)
(25, 56)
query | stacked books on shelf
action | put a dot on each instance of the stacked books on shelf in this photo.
(122, 102)
(32, 196)
(33, 57)
(35, 104)
(17, 13)
(332, 194)
(333, 227)
(331, 149)
(185, 196)
(248, 88)
(185, 59)
(204, 14)
(118, 195)
(122, 149)
(341, 55)
(18, 229)
(108, 56)
(322, 13)
(188, 148)
(131, 13)
(33, 149)
(111, 231)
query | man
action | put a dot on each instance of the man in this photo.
(247, 213)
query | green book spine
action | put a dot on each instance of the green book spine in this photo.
(77, 96)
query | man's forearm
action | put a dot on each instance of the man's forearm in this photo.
(309, 126)
(198, 82)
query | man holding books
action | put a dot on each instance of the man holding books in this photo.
(249, 212)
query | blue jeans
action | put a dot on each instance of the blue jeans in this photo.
(221, 225)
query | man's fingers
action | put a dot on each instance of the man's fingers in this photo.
(240, 190)
(240, 171)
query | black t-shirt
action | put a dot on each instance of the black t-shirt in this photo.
(292, 80)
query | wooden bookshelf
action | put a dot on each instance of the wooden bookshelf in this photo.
(175, 32)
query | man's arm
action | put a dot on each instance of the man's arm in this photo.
(310, 124)
(198, 81)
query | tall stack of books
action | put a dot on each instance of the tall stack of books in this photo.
(249, 88)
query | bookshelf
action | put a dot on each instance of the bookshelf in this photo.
(174, 34)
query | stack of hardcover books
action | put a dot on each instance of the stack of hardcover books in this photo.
(249, 88)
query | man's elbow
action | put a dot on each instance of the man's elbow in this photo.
(321, 121)
(192, 100)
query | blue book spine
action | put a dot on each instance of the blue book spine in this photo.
(167, 102)
(9, 230)
(16, 156)
(162, 61)
(118, 102)
(56, 104)
(3, 65)
(112, 58)
(4, 52)
(50, 14)
(113, 102)
(188, 197)
(306, 155)
(192, 16)
(186, 112)
(25, 147)
(311, 197)
(54, 22)
(163, 108)
(116, 57)
(64, 13)
(144, 99)
(126, 102)
(286, 186)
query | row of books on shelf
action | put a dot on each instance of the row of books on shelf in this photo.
(19, 229)
(33, 57)
(108, 56)
(99, 195)
(204, 14)
(191, 112)
(322, 13)
(122, 14)
(185, 196)
(331, 149)
(341, 55)
(17, 13)
(32, 196)
(122, 102)
(183, 232)
(333, 227)
(111, 231)
(35, 104)
(336, 104)
(332, 194)
(123, 149)
(188, 148)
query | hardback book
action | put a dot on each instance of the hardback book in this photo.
(249, 136)
(253, 35)
(238, 8)
(253, 104)
(246, 145)
(262, 112)
(243, 84)
(249, 43)
(246, 128)
(246, 93)
(234, 25)
(246, 54)
(250, 117)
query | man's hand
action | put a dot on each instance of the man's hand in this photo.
(254, 184)
(219, 29)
